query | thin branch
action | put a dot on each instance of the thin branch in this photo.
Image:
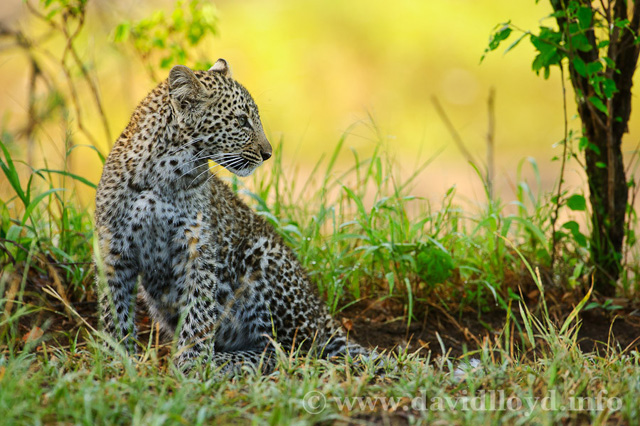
(69, 48)
(556, 212)
(85, 74)
(607, 10)
(452, 130)
(31, 109)
(611, 168)
(491, 143)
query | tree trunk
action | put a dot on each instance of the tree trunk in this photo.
(608, 195)
(608, 190)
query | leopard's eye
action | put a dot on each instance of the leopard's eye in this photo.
(243, 121)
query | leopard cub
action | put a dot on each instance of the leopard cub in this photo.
(211, 271)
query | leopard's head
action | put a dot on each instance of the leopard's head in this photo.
(218, 118)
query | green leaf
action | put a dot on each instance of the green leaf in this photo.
(601, 165)
(35, 202)
(579, 66)
(391, 280)
(165, 39)
(512, 295)
(577, 202)
(158, 42)
(358, 201)
(533, 229)
(209, 17)
(166, 62)
(610, 62)
(578, 236)
(12, 175)
(91, 147)
(600, 106)
(409, 300)
(52, 13)
(434, 264)
(609, 87)
(585, 15)
(121, 32)
(583, 143)
(574, 313)
(71, 175)
(515, 43)
(591, 306)
(547, 44)
(594, 67)
(621, 23)
(596, 83)
(581, 42)
(178, 18)
(499, 36)
(578, 40)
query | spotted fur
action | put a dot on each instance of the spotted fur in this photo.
(211, 271)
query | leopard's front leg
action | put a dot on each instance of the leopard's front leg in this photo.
(198, 325)
(116, 275)
(198, 312)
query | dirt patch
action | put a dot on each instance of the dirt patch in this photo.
(382, 325)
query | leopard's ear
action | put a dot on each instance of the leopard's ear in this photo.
(222, 67)
(184, 86)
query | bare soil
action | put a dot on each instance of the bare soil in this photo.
(382, 324)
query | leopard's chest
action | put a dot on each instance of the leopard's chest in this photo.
(179, 238)
(173, 237)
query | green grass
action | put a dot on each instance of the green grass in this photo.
(85, 384)
(361, 234)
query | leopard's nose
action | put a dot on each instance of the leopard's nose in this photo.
(265, 147)
(265, 155)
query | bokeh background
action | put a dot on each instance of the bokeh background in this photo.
(320, 68)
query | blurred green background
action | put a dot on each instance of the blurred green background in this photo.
(320, 68)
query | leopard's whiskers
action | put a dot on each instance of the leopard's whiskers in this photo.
(185, 146)
(200, 174)
(215, 157)
(220, 157)
(233, 162)
(191, 170)
(196, 167)
(187, 162)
